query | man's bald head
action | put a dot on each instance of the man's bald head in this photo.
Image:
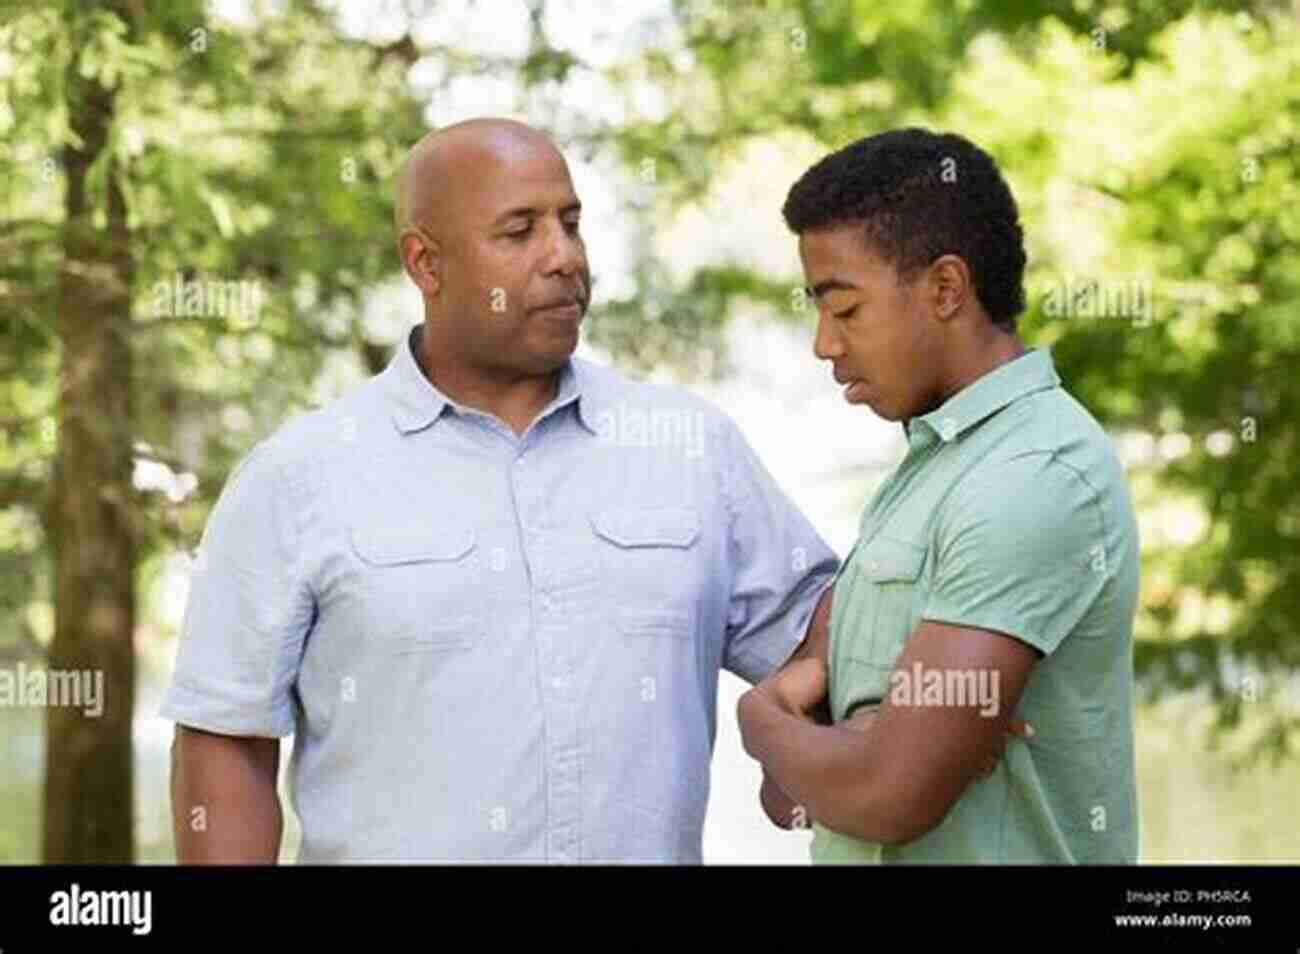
(488, 230)
(438, 165)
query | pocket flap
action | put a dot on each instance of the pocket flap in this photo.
(649, 526)
(888, 560)
(416, 543)
(654, 622)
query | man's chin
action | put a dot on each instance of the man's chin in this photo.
(552, 356)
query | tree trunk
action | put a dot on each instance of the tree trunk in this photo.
(89, 815)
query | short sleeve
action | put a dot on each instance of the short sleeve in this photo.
(780, 566)
(248, 613)
(1021, 549)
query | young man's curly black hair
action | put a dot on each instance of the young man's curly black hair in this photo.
(919, 195)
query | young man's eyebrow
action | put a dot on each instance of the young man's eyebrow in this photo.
(831, 284)
(528, 211)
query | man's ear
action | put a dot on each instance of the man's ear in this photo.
(422, 259)
(950, 285)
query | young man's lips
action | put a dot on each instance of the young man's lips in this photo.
(855, 391)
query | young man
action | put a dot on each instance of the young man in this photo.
(996, 572)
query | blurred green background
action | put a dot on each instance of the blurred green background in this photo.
(196, 234)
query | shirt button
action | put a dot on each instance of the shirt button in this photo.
(874, 566)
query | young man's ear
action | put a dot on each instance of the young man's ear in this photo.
(950, 283)
(422, 259)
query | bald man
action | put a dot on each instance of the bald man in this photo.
(489, 593)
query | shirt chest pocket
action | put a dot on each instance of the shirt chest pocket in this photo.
(883, 606)
(424, 586)
(650, 558)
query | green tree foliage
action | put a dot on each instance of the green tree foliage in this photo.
(192, 210)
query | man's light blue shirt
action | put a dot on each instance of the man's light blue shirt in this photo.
(492, 647)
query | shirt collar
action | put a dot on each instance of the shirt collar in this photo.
(416, 403)
(1030, 372)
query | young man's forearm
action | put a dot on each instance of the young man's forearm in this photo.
(225, 808)
(826, 769)
(782, 806)
(777, 804)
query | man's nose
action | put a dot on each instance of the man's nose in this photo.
(827, 344)
(565, 253)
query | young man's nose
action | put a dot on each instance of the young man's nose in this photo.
(827, 344)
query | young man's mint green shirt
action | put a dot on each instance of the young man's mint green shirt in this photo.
(1010, 513)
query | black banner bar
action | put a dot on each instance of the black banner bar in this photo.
(109, 908)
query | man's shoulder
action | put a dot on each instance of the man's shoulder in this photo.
(314, 434)
(621, 397)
